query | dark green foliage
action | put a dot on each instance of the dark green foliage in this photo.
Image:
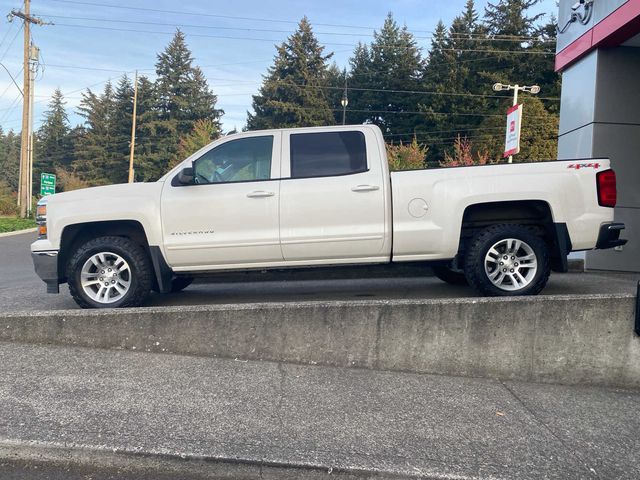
(10, 158)
(294, 91)
(167, 110)
(53, 142)
(463, 64)
(392, 62)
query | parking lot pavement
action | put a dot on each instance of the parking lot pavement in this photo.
(21, 289)
(308, 417)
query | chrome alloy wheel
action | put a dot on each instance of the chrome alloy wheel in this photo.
(105, 277)
(511, 264)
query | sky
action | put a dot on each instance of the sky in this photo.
(92, 41)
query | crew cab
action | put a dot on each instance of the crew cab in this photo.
(322, 197)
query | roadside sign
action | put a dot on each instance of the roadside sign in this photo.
(512, 138)
(47, 184)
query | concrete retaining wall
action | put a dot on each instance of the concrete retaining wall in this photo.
(555, 339)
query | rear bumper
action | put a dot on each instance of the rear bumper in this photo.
(46, 266)
(609, 236)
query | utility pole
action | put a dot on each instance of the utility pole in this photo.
(24, 188)
(34, 56)
(133, 126)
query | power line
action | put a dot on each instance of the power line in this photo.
(6, 35)
(12, 106)
(12, 78)
(267, 30)
(321, 87)
(258, 19)
(271, 40)
(11, 43)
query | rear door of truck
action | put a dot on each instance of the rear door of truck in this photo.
(334, 196)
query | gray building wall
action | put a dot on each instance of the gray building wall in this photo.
(600, 117)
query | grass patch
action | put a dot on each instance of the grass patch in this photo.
(11, 224)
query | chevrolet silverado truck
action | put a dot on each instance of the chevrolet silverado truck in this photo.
(322, 197)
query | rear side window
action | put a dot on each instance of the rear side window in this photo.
(327, 154)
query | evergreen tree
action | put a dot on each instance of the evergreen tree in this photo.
(53, 147)
(183, 97)
(508, 18)
(294, 91)
(204, 132)
(539, 134)
(392, 62)
(453, 73)
(11, 168)
(10, 158)
(95, 148)
(147, 115)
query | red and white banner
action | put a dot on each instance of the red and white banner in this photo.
(512, 138)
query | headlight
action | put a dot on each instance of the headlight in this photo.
(41, 219)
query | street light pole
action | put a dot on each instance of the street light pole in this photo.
(499, 87)
(344, 101)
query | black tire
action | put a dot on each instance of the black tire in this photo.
(450, 275)
(485, 239)
(180, 283)
(141, 271)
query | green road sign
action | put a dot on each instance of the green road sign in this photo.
(47, 184)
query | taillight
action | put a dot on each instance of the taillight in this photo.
(607, 194)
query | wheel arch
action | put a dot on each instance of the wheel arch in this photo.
(76, 234)
(536, 214)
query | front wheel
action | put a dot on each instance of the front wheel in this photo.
(109, 272)
(507, 260)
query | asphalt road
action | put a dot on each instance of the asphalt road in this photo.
(21, 289)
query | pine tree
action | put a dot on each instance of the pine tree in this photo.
(508, 18)
(95, 148)
(454, 73)
(511, 29)
(53, 147)
(539, 134)
(10, 159)
(204, 132)
(146, 148)
(183, 97)
(294, 91)
(392, 62)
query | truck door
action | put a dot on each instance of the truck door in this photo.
(332, 197)
(229, 216)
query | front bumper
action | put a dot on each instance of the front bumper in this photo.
(609, 236)
(46, 265)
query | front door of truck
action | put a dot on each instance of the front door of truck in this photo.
(229, 216)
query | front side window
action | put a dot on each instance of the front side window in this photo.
(327, 154)
(241, 160)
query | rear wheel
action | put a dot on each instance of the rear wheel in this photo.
(507, 260)
(109, 272)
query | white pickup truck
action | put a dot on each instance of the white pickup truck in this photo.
(322, 197)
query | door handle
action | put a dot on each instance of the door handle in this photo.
(260, 194)
(365, 188)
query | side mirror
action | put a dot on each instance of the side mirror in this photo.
(185, 177)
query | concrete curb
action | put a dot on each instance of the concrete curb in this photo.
(551, 339)
(138, 465)
(18, 232)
